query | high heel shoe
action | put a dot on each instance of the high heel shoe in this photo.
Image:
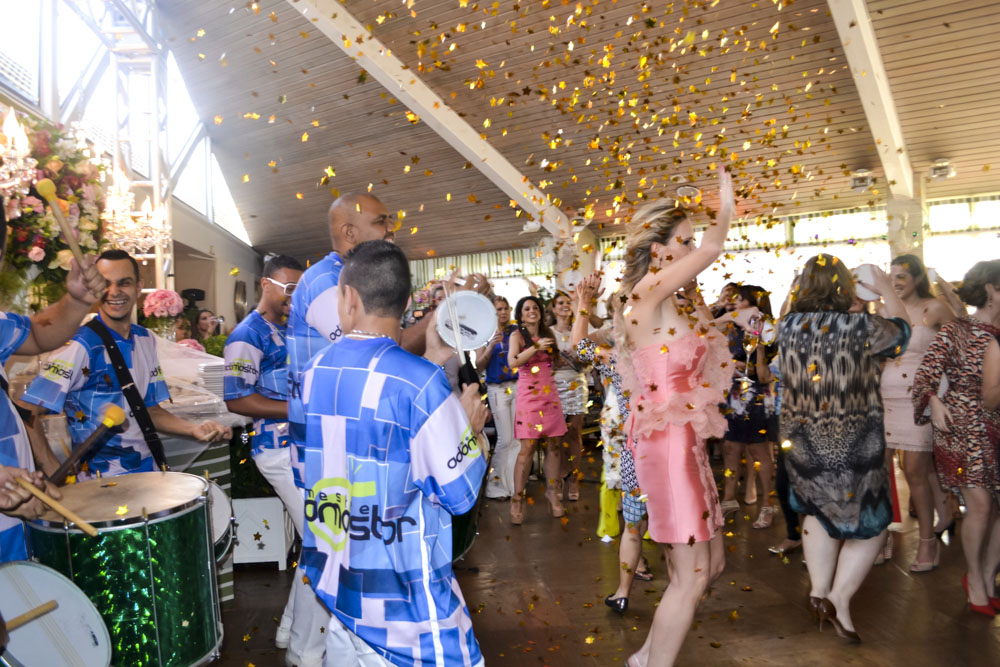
(552, 495)
(886, 553)
(573, 488)
(814, 605)
(984, 609)
(517, 509)
(618, 605)
(950, 529)
(995, 603)
(828, 612)
(917, 566)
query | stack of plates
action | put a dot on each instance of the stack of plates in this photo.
(211, 375)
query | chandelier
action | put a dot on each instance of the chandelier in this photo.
(17, 170)
(133, 231)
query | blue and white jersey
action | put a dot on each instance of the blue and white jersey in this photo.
(313, 324)
(15, 451)
(80, 380)
(390, 457)
(257, 363)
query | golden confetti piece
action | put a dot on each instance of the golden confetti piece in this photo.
(246, 637)
(246, 178)
(715, 645)
(122, 510)
(589, 639)
(412, 117)
(305, 137)
(235, 271)
(218, 120)
(734, 615)
(256, 537)
(298, 195)
(413, 230)
(817, 377)
(787, 444)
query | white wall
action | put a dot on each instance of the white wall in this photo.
(191, 229)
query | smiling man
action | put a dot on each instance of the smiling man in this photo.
(81, 379)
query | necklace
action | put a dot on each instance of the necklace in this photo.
(357, 333)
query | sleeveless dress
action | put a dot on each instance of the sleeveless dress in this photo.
(537, 413)
(966, 455)
(897, 396)
(571, 381)
(680, 386)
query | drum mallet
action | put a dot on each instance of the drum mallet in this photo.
(113, 416)
(61, 509)
(47, 189)
(31, 615)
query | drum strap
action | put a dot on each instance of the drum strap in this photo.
(26, 415)
(131, 392)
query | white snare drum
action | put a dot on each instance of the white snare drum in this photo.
(221, 510)
(477, 319)
(71, 635)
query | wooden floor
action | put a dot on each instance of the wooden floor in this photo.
(536, 595)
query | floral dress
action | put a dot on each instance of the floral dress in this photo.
(967, 455)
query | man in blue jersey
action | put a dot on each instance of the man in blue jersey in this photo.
(256, 385)
(20, 334)
(391, 454)
(80, 379)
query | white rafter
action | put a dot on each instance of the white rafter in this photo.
(857, 36)
(341, 28)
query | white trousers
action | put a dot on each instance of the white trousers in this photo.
(304, 615)
(500, 482)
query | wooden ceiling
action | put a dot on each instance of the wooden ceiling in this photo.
(607, 103)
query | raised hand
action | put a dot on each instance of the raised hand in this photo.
(85, 283)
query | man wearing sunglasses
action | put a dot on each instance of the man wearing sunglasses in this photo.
(256, 385)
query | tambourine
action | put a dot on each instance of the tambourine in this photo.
(476, 316)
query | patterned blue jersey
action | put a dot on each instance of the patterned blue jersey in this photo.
(313, 324)
(257, 362)
(15, 451)
(80, 379)
(389, 458)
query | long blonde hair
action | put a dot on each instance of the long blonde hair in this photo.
(653, 223)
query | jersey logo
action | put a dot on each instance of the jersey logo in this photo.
(240, 366)
(335, 334)
(58, 369)
(468, 448)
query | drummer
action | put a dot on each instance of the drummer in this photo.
(80, 380)
(19, 334)
(390, 455)
(256, 385)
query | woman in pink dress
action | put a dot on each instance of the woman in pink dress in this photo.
(677, 366)
(926, 316)
(537, 412)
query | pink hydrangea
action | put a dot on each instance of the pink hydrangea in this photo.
(163, 303)
(36, 254)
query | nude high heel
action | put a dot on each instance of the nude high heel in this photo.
(917, 566)
(552, 494)
(517, 509)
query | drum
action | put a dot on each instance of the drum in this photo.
(150, 571)
(477, 319)
(71, 635)
(222, 520)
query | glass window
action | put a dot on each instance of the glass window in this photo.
(986, 214)
(950, 217)
(951, 255)
(181, 116)
(19, 48)
(76, 46)
(225, 212)
(191, 185)
(840, 226)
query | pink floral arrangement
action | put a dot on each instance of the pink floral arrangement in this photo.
(191, 343)
(162, 303)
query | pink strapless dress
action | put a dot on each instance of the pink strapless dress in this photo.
(681, 385)
(537, 411)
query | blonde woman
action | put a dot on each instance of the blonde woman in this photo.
(677, 367)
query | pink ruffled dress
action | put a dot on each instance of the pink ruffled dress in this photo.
(537, 411)
(680, 386)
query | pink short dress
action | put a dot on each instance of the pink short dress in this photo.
(537, 413)
(681, 385)
(897, 396)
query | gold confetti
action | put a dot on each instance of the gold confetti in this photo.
(218, 120)
(122, 510)
(246, 178)
(235, 271)
(305, 137)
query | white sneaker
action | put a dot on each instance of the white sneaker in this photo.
(292, 660)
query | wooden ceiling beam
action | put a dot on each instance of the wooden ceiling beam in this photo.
(343, 30)
(857, 35)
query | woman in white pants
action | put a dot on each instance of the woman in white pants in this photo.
(501, 386)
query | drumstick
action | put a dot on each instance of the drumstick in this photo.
(58, 507)
(47, 189)
(31, 615)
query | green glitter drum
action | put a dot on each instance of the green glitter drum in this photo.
(151, 569)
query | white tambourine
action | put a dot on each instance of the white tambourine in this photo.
(569, 279)
(477, 319)
(865, 274)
